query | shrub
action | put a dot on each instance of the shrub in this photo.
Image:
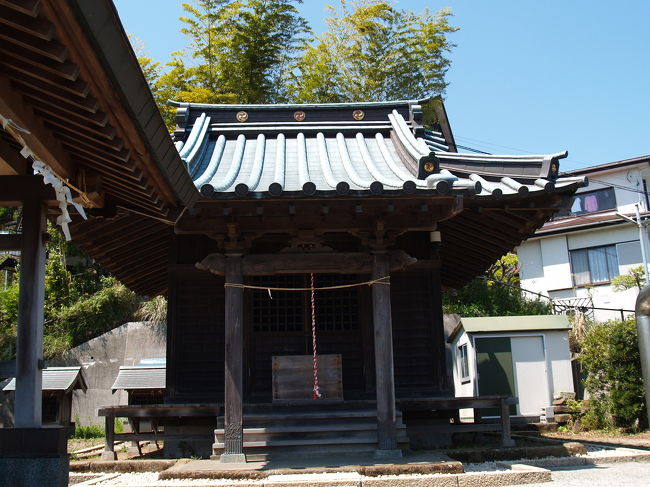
(87, 432)
(482, 298)
(92, 316)
(611, 360)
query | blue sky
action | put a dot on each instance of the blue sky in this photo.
(527, 76)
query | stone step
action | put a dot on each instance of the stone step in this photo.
(316, 431)
(307, 428)
(326, 415)
(370, 439)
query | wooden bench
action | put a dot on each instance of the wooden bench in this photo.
(159, 415)
(502, 403)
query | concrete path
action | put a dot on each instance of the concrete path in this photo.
(629, 474)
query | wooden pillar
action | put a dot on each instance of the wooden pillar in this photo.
(385, 379)
(233, 387)
(109, 446)
(31, 297)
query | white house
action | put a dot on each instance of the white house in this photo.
(523, 356)
(573, 258)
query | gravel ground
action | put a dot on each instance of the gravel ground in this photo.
(622, 474)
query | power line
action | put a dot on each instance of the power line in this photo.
(472, 150)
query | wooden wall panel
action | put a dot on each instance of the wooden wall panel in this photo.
(418, 339)
(196, 330)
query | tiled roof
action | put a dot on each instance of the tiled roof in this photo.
(585, 221)
(253, 151)
(140, 377)
(57, 379)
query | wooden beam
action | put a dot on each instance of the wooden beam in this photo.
(28, 7)
(384, 369)
(14, 189)
(65, 70)
(31, 296)
(36, 73)
(51, 49)
(39, 139)
(11, 242)
(234, 373)
(297, 263)
(37, 27)
(11, 162)
(87, 103)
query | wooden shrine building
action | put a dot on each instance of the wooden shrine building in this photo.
(353, 193)
(250, 201)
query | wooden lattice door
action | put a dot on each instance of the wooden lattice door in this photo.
(279, 323)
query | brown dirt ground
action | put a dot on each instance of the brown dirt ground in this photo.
(612, 437)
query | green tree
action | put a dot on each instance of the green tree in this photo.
(610, 358)
(239, 52)
(480, 298)
(78, 305)
(497, 293)
(373, 51)
(505, 270)
(634, 277)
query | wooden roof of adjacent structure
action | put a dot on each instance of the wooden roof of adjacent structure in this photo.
(69, 77)
(63, 379)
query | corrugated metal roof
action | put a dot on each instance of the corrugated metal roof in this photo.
(140, 377)
(338, 149)
(57, 379)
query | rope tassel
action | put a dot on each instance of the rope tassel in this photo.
(316, 394)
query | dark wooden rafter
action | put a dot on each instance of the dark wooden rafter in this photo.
(27, 7)
(102, 143)
(20, 70)
(48, 48)
(132, 247)
(40, 100)
(26, 23)
(65, 70)
(56, 117)
(39, 139)
(282, 216)
(15, 189)
(54, 84)
(94, 73)
(11, 162)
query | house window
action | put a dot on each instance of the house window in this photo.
(591, 201)
(463, 362)
(594, 265)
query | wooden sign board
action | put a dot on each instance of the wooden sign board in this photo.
(293, 377)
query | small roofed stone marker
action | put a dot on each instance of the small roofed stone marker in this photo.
(233, 451)
(642, 309)
(386, 411)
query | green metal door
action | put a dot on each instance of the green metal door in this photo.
(496, 376)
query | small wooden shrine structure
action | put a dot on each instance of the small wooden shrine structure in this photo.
(58, 386)
(251, 198)
(354, 194)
